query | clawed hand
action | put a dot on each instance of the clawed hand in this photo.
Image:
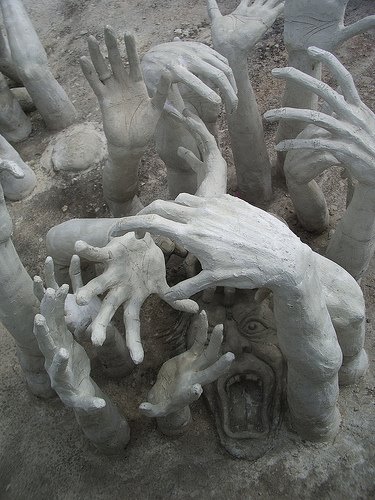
(133, 270)
(180, 379)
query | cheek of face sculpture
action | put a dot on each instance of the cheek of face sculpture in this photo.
(248, 401)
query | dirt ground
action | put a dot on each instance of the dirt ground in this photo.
(43, 454)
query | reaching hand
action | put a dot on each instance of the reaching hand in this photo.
(65, 360)
(320, 23)
(129, 115)
(212, 171)
(193, 64)
(134, 269)
(180, 379)
(351, 129)
(78, 318)
(238, 32)
(238, 245)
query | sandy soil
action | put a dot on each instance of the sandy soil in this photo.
(43, 454)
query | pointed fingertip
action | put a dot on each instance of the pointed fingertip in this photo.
(313, 51)
(219, 329)
(137, 357)
(63, 354)
(277, 71)
(98, 403)
(197, 390)
(40, 320)
(229, 356)
(98, 336)
(80, 246)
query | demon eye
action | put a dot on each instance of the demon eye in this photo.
(252, 326)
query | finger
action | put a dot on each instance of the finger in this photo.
(191, 159)
(75, 273)
(308, 116)
(38, 288)
(114, 56)
(171, 211)
(162, 90)
(278, 9)
(213, 9)
(357, 28)
(153, 410)
(212, 351)
(89, 404)
(215, 371)
(187, 288)
(98, 60)
(92, 76)
(11, 167)
(190, 200)
(135, 71)
(342, 75)
(107, 310)
(335, 100)
(199, 329)
(220, 79)
(43, 336)
(49, 274)
(152, 223)
(93, 288)
(185, 305)
(59, 365)
(133, 331)
(222, 66)
(184, 76)
(52, 308)
(94, 254)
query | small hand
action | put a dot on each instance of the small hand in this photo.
(194, 65)
(65, 360)
(78, 318)
(134, 269)
(180, 379)
(129, 115)
(238, 32)
(212, 169)
(351, 129)
(320, 23)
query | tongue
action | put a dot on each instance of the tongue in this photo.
(245, 406)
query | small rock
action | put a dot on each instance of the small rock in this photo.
(65, 208)
(84, 32)
(178, 32)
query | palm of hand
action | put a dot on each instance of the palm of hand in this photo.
(314, 23)
(243, 28)
(129, 119)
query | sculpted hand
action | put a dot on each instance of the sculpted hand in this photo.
(133, 270)
(193, 64)
(65, 360)
(351, 129)
(129, 115)
(6, 226)
(238, 245)
(77, 317)
(212, 169)
(320, 23)
(238, 32)
(180, 379)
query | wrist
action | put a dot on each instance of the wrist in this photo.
(116, 152)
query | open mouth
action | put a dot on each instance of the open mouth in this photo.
(246, 398)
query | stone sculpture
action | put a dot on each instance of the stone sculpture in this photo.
(30, 62)
(214, 229)
(15, 188)
(346, 137)
(15, 126)
(318, 23)
(234, 36)
(129, 117)
(195, 68)
(68, 366)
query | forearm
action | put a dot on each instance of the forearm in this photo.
(353, 243)
(251, 159)
(120, 180)
(308, 341)
(296, 96)
(106, 428)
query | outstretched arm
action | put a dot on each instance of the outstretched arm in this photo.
(348, 136)
(234, 36)
(129, 117)
(69, 369)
